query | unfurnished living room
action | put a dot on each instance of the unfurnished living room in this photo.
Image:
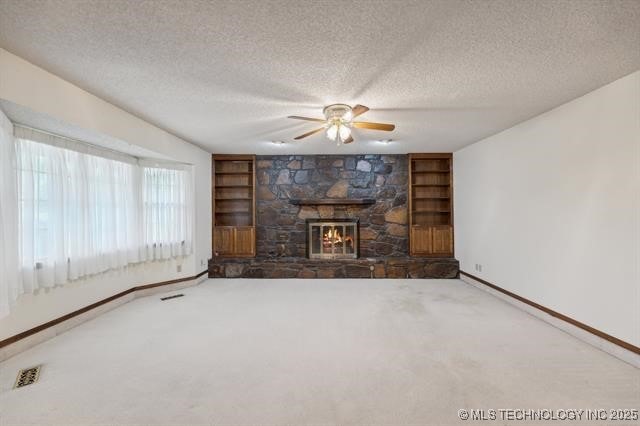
(299, 212)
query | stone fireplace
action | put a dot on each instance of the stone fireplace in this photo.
(332, 239)
(295, 193)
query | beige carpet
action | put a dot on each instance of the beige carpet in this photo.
(313, 352)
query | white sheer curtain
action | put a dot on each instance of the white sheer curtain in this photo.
(69, 210)
(167, 209)
(78, 212)
(10, 284)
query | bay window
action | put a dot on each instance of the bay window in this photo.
(85, 210)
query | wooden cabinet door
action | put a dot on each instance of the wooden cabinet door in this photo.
(442, 240)
(244, 241)
(223, 237)
(436, 241)
(420, 240)
(234, 240)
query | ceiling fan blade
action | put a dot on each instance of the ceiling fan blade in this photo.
(374, 126)
(309, 133)
(349, 139)
(297, 117)
(359, 110)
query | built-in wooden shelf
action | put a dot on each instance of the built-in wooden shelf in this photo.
(430, 205)
(234, 205)
(331, 202)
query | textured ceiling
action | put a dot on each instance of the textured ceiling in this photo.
(225, 74)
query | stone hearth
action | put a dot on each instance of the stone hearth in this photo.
(393, 267)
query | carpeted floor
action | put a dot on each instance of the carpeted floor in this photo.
(313, 352)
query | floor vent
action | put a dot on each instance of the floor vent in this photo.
(172, 297)
(28, 376)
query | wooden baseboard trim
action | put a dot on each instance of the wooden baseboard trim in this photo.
(80, 311)
(601, 334)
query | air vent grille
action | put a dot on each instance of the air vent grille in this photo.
(172, 297)
(28, 376)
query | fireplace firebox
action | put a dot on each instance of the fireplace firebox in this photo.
(333, 238)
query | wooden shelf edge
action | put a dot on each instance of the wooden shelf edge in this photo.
(233, 173)
(219, 212)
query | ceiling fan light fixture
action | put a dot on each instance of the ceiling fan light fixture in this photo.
(338, 122)
(332, 132)
(338, 112)
(344, 132)
(338, 132)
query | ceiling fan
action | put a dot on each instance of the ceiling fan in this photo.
(338, 122)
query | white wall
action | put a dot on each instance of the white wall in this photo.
(27, 85)
(551, 209)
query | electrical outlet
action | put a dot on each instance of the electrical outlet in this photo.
(201, 262)
(179, 268)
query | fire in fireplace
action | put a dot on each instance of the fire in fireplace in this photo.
(332, 238)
